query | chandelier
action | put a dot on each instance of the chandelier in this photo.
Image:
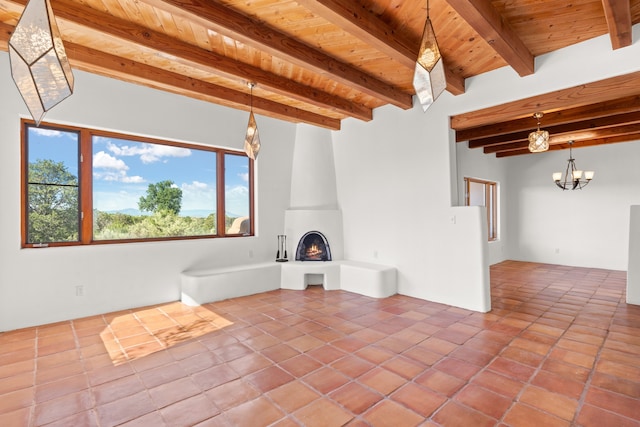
(573, 178)
(39, 64)
(539, 139)
(429, 77)
(252, 138)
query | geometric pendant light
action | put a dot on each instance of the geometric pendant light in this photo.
(429, 77)
(39, 64)
(252, 138)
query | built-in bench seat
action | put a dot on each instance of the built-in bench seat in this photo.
(215, 284)
(372, 280)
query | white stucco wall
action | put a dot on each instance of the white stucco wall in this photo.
(541, 223)
(633, 274)
(37, 286)
(393, 178)
(584, 228)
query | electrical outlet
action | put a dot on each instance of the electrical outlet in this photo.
(80, 291)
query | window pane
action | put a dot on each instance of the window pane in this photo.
(53, 209)
(476, 194)
(146, 190)
(491, 211)
(236, 194)
(484, 193)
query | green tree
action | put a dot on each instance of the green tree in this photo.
(53, 203)
(162, 196)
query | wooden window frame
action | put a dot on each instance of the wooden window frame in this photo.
(491, 203)
(85, 181)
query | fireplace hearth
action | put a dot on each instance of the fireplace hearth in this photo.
(313, 246)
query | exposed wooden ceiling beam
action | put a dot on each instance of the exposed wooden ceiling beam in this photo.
(618, 14)
(576, 144)
(592, 127)
(97, 62)
(588, 93)
(201, 59)
(251, 32)
(622, 131)
(356, 19)
(109, 65)
(487, 22)
(592, 111)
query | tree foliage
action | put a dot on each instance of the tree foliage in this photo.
(162, 196)
(114, 226)
(53, 203)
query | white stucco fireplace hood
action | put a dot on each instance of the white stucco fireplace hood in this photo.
(314, 201)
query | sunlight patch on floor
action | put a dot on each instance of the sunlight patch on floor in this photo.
(133, 334)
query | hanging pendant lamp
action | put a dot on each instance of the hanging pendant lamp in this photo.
(539, 139)
(428, 78)
(39, 64)
(252, 138)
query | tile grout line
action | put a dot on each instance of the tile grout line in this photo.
(32, 409)
(592, 371)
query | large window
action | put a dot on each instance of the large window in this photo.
(484, 193)
(82, 186)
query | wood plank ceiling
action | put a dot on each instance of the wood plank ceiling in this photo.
(321, 61)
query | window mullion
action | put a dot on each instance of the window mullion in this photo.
(86, 187)
(221, 220)
(24, 190)
(252, 216)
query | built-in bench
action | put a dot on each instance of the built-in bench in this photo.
(208, 285)
(215, 284)
(372, 280)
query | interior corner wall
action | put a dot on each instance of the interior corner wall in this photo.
(583, 228)
(633, 273)
(393, 177)
(473, 163)
(37, 286)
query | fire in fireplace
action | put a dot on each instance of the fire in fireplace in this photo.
(313, 246)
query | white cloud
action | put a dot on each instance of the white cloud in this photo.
(195, 185)
(133, 179)
(244, 176)
(48, 132)
(237, 200)
(109, 168)
(104, 160)
(149, 153)
(118, 175)
(237, 191)
(198, 195)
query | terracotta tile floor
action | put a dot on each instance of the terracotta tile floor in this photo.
(559, 348)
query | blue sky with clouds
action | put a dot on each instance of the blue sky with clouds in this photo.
(123, 170)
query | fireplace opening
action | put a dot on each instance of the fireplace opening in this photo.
(313, 246)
